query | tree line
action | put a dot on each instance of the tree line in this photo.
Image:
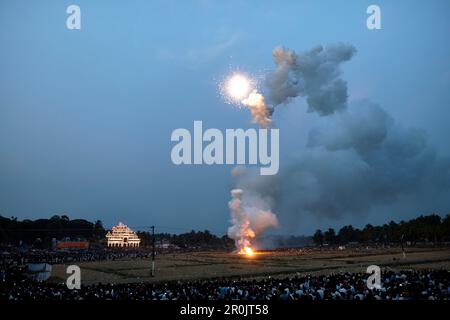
(430, 228)
(193, 239)
(42, 231)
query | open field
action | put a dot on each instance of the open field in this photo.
(208, 265)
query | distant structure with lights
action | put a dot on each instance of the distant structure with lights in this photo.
(122, 236)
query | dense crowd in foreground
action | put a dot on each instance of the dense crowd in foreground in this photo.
(405, 285)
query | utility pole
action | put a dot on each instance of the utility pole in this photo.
(153, 252)
(403, 246)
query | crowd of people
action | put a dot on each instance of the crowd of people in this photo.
(15, 256)
(18, 256)
(405, 285)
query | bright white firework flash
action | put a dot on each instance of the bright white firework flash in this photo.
(238, 87)
(241, 90)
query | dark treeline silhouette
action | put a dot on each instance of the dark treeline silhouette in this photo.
(40, 232)
(431, 228)
(193, 239)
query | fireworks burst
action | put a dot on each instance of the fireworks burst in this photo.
(241, 90)
(236, 87)
(248, 251)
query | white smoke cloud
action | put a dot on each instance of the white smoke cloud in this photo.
(249, 218)
(258, 108)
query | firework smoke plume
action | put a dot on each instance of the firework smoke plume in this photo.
(248, 219)
(258, 108)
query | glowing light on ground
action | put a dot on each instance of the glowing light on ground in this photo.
(247, 251)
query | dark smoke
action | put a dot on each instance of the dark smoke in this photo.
(359, 158)
(313, 74)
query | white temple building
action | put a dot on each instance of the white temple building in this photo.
(122, 236)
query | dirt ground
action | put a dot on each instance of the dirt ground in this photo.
(209, 265)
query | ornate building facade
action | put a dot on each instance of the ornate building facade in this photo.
(122, 236)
